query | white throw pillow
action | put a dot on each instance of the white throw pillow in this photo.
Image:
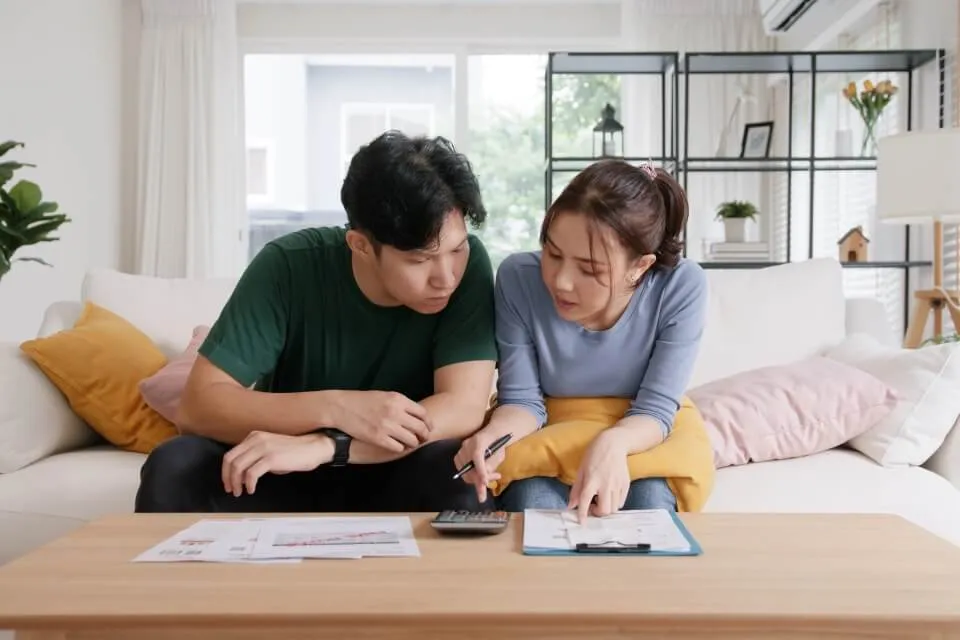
(927, 383)
(35, 419)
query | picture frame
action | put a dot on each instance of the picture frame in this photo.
(757, 137)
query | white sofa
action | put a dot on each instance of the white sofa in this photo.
(757, 318)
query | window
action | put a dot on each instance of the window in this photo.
(506, 127)
(305, 116)
(843, 199)
(362, 122)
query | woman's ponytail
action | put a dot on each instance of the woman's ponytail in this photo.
(675, 211)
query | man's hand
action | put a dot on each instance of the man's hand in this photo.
(383, 418)
(261, 453)
(603, 475)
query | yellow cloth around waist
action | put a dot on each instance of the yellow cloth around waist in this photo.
(684, 459)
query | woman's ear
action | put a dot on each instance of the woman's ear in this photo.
(640, 266)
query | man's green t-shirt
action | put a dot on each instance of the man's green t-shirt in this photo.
(297, 321)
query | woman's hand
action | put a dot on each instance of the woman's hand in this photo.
(484, 471)
(603, 475)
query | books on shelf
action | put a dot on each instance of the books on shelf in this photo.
(738, 252)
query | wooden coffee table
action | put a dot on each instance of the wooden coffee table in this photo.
(761, 576)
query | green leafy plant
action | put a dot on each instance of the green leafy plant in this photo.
(941, 339)
(25, 218)
(737, 209)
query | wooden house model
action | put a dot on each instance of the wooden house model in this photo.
(853, 246)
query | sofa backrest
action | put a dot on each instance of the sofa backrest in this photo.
(166, 309)
(756, 317)
(769, 317)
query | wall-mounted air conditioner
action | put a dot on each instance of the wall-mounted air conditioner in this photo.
(779, 16)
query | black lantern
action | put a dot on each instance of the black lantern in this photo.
(608, 135)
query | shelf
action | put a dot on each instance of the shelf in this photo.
(746, 62)
(567, 164)
(739, 265)
(745, 164)
(760, 62)
(751, 62)
(886, 264)
(869, 61)
(845, 164)
(780, 164)
(846, 265)
(614, 63)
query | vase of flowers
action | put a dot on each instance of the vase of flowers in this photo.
(870, 103)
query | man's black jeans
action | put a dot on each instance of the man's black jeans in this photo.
(182, 475)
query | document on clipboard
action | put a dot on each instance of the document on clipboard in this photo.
(654, 532)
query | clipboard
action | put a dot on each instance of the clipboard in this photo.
(550, 537)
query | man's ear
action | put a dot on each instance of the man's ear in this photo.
(359, 243)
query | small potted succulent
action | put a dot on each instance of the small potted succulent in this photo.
(25, 218)
(735, 214)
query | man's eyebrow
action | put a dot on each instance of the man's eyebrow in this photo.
(435, 249)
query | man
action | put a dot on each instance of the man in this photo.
(348, 364)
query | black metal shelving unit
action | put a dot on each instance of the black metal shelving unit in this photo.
(663, 64)
(810, 63)
(671, 66)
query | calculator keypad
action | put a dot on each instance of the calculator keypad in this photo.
(474, 517)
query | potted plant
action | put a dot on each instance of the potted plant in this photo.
(735, 215)
(25, 218)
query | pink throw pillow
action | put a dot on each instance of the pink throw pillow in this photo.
(789, 411)
(162, 390)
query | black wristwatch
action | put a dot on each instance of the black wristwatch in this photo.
(341, 446)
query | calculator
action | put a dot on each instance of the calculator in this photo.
(471, 521)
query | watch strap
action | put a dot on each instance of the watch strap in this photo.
(341, 446)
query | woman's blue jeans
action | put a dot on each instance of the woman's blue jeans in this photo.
(549, 493)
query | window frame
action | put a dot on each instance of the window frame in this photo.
(269, 147)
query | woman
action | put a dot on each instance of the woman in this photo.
(608, 308)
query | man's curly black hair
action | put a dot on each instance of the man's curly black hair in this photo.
(399, 190)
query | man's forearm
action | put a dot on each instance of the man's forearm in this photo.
(450, 417)
(228, 413)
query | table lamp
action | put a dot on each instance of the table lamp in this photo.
(918, 183)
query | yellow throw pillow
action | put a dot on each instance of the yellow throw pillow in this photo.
(684, 459)
(98, 365)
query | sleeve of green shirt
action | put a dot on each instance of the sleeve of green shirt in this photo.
(248, 337)
(466, 328)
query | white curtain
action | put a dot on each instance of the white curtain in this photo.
(689, 26)
(189, 177)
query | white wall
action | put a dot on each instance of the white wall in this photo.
(62, 86)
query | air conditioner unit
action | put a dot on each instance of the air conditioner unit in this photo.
(779, 16)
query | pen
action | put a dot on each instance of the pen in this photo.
(492, 449)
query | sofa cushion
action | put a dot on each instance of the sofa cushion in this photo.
(927, 382)
(83, 484)
(767, 317)
(162, 390)
(35, 419)
(839, 481)
(98, 365)
(793, 410)
(165, 309)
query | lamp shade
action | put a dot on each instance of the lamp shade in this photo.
(917, 177)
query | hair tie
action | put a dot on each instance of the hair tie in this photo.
(649, 169)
